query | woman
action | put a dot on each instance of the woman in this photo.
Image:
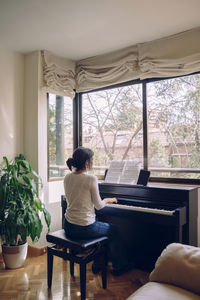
(82, 196)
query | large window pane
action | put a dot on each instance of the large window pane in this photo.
(112, 125)
(60, 140)
(174, 127)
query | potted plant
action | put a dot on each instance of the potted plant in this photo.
(20, 209)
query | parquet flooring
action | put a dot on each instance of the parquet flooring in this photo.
(30, 282)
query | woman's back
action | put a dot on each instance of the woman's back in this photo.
(82, 195)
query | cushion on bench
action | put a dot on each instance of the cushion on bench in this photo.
(59, 238)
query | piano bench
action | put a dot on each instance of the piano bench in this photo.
(76, 251)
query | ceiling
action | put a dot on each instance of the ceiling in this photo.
(78, 29)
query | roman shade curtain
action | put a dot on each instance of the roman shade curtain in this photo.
(175, 55)
(58, 75)
(108, 69)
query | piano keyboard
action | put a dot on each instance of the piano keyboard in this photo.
(142, 209)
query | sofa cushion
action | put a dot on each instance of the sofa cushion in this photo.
(179, 264)
(162, 291)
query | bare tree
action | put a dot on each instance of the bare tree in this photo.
(114, 111)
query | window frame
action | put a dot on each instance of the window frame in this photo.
(78, 138)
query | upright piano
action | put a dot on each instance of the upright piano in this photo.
(150, 217)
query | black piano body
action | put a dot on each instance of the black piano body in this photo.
(146, 234)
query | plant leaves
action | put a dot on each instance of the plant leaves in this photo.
(19, 203)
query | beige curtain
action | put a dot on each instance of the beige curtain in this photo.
(175, 55)
(58, 74)
(108, 69)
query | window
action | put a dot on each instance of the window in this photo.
(174, 127)
(112, 125)
(156, 123)
(60, 134)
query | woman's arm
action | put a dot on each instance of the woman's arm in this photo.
(96, 199)
(94, 189)
(110, 200)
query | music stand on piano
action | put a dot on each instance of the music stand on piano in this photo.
(143, 177)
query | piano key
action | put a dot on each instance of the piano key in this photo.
(142, 209)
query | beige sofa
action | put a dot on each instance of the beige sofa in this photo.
(176, 276)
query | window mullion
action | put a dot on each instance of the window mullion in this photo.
(76, 121)
(80, 123)
(145, 125)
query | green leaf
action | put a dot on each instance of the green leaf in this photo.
(21, 157)
(6, 162)
(33, 185)
(38, 177)
(13, 202)
(26, 179)
(38, 204)
(25, 164)
(47, 217)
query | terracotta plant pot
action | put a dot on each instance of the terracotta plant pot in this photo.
(14, 256)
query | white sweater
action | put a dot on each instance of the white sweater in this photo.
(82, 195)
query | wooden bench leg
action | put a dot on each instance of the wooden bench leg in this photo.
(49, 266)
(71, 263)
(71, 268)
(83, 280)
(104, 268)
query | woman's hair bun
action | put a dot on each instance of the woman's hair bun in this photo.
(79, 158)
(70, 163)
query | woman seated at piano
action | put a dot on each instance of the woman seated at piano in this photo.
(82, 196)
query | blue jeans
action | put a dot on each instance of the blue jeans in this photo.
(117, 253)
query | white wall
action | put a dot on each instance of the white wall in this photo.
(31, 109)
(35, 137)
(11, 103)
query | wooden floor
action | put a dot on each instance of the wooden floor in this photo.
(30, 282)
